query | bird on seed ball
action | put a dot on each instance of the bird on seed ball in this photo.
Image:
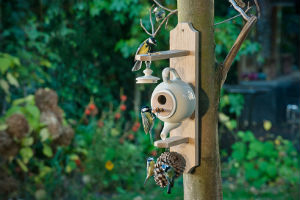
(150, 168)
(170, 174)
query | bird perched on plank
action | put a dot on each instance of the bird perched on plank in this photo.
(150, 168)
(144, 48)
(148, 120)
(159, 14)
(170, 174)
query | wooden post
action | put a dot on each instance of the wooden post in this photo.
(205, 182)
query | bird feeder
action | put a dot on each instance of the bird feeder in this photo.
(147, 78)
(174, 98)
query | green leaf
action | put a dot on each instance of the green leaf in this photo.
(110, 154)
(272, 171)
(26, 153)
(5, 63)
(70, 166)
(34, 111)
(45, 63)
(239, 151)
(74, 157)
(27, 141)
(28, 100)
(3, 127)
(47, 151)
(4, 85)
(44, 134)
(22, 165)
(12, 80)
(232, 124)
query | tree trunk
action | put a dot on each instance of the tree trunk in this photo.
(205, 182)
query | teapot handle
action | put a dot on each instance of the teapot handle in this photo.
(166, 74)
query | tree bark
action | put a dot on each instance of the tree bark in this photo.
(205, 182)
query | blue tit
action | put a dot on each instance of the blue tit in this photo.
(170, 174)
(159, 14)
(150, 168)
(148, 120)
(144, 48)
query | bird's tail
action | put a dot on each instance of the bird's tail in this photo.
(137, 65)
(146, 180)
(169, 189)
(172, 182)
(151, 137)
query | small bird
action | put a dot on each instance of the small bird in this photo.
(150, 168)
(170, 174)
(159, 14)
(148, 120)
(144, 48)
(240, 3)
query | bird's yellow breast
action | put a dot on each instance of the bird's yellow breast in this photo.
(144, 49)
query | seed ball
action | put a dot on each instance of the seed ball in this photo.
(17, 126)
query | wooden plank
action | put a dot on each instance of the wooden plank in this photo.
(161, 55)
(184, 36)
(171, 141)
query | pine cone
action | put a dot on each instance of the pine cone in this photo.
(45, 99)
(172, 159)
(5, 141)
(66, 137)
(17, 126)
(53, 124)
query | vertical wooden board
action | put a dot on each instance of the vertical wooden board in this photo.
(185, 37)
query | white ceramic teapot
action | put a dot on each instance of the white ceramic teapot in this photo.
(174, 99)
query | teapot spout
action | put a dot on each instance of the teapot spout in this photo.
(167, 128)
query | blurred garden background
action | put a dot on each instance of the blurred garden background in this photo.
(70, 125)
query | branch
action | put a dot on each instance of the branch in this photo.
(257, 8)
(231, 18)
(150, 16)
(167, 9)
(154, 32)
(143, 27)
(235, 48)
(240, 10)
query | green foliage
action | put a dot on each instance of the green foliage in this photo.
(116, 155)
(231, 106)
(226, 34)
(37, 157)
(260, 163)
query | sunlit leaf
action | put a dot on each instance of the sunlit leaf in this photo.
(45, 63)
(44, 134)
(223, 118)
(22, 165)
(47, 151)
(3, 127)
(27, 141)
(267, 125)
(74, 157)
(4, 85)
(12, 80)
(26, 153)
(5, 63)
